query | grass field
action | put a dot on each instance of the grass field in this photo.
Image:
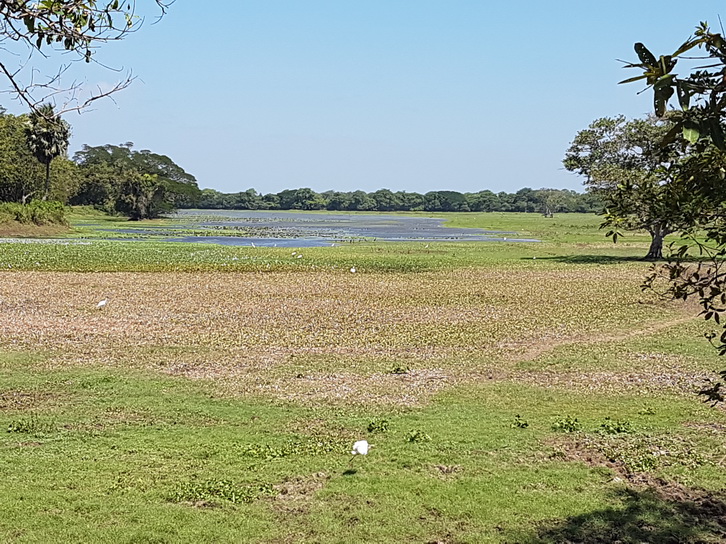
(519, 393)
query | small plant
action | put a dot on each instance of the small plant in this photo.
(647, 411)
(220, 491)
(417, 435)
(519, 423)
(398, 368)
(646, 453)
(610, 426)
(567, 424)
(30, 426)
(378, 425)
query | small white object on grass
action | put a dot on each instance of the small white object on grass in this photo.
(352, 270)
(360, 448)
(101, 304)
(299, 256)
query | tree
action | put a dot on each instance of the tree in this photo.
(550, 201)
(111, 175)
(47, 136)
(698, 181)
(624, 163)
(20, 173)
(141, 196)
(32, 28)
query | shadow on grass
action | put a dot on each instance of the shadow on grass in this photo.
(646, 516)
(593, 259)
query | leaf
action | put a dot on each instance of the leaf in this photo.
(660, 99)
(716, 133)
(684, 95)
(631, 79)
(670, 136)
(689, 44)
(645, 56)
(665, 81)
(691, 132)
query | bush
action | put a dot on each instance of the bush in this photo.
(38, 212)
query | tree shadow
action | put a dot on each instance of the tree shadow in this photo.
(593, 259)
(672, 515)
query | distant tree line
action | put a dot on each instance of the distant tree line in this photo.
(545, 201)
(141, 184)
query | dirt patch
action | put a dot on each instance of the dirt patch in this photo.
(658, 380)
(294, 496)
(13, 229)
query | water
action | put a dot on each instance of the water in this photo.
(305, 229)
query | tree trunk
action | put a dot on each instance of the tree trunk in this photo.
(657, 234)
(47, 181)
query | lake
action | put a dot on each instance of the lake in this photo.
(308, 229)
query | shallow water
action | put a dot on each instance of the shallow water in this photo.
(304, 229)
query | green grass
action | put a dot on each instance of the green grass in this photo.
(204, 406)
(129, 457)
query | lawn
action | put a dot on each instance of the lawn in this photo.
(512, 392)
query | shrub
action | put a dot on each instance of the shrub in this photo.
(567, 424)
(38, 212)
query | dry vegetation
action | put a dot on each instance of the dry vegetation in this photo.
(386, 338)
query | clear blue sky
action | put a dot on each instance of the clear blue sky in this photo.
(413, 95)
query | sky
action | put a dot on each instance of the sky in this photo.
(408, 95)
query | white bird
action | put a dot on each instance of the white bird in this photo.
(101, 304)
(352, 270)
(253, 244)
(299, 256)
(360, 448)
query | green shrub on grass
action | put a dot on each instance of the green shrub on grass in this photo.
(38, 212)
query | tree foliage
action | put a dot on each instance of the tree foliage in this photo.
(546, 201)
(624, 163)
(698, 196)
(21, 174)
(47, 135)
(30, 28)
(140, 184)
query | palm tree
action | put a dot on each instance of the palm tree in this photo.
(47, 135)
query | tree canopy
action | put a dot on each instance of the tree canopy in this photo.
(47, 135)
(624, 163)
(546, 201)
(140, 184)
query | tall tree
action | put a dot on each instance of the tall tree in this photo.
(47, 136)
(20, 173)
(109, 168)
(624, 163)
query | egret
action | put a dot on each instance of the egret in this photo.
(360, 448)
(299, 256)
(101, 304)
(352, 270)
